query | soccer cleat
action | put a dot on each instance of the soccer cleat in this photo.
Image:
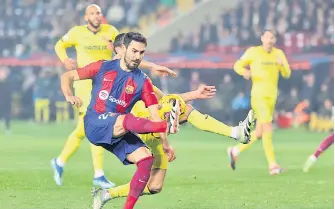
(58, 172)
(173, 121)
(275, 170)
(245, 127)
(103, 182)
(100, 197)
(232, 158)
(309, 163)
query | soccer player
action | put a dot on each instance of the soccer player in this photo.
(92, 42)
(265, 63)
(187, 114)
(117, 86)
(325, 144)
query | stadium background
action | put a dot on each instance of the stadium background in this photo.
(201, 40)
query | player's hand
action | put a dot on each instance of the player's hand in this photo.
(70, 64)
(247, 74)
(162, 71)
(170, 153)
(74, 100)
(205, 92)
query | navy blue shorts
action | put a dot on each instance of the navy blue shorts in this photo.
(99, 131)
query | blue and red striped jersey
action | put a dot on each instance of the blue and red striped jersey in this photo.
(115, 90)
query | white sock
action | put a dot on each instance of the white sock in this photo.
(235, 151)
(98, 173)
(313, 158)
(59, 162)
(234, 132)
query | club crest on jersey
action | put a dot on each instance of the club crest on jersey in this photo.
(103, 95)
(129, 89)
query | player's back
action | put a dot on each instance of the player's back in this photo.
(264, 71)
(115, 90)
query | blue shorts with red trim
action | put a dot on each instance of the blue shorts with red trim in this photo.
(99, 131)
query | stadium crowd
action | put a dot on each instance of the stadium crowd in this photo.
(32, 27)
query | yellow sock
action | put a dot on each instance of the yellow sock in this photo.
(268, 148)
(243, 147)
(98, 157)
(123, 191)
(73, 142)
(207, 123)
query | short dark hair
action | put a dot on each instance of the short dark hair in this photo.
(134, 36)
(274, 32)
(119, 40)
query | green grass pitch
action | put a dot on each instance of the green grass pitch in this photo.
(198, 179)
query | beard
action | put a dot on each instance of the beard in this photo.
(96, 26)
(131, 64)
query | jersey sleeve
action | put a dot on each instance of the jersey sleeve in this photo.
(148, 94)
(89, 71)
(245, 60)
(114, 33)
(285, 68)
(69, 39)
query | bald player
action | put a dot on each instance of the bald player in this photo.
(93, 42)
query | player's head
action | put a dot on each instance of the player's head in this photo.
(134, 45)
(268, 38)
(93, 15)
(118, 42)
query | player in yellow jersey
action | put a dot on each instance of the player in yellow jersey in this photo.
(92, 42)
(201, 121)
(265, 63)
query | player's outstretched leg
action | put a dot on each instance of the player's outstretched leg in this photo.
(325, 144)
(245, 127)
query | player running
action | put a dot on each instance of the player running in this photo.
(187, 114)
(117, 86)
(92, 42)
(325, 144)
(265, 62)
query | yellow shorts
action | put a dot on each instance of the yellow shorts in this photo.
(156, 147)
(264, 108)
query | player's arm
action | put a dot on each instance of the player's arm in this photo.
(87, 72)
(285, 70)
(241, 64)
(151, 102)
(159, 94)
(157, 69)
(68, 40)
(203, 92)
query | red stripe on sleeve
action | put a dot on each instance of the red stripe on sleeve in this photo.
(89, 71)
(148, 95)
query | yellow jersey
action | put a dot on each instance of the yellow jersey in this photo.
(265, 70)
(90, 47)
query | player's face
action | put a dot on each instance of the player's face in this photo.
(93, 16)
(268, 39)
(133, 55)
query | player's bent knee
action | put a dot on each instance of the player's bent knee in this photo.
(140, 154)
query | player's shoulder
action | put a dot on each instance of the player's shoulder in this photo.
(278, 50)
(107, 27)
(109, 64)
(78, 28)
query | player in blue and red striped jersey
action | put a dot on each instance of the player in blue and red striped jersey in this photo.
(117, 86)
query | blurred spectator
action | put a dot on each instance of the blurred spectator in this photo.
(6, 97)
(116, 14)
(240, 106)
(326, 110)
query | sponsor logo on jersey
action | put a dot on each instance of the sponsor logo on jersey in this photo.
(103, 95)
(117, 101)
(96, 47)
(129, 89)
